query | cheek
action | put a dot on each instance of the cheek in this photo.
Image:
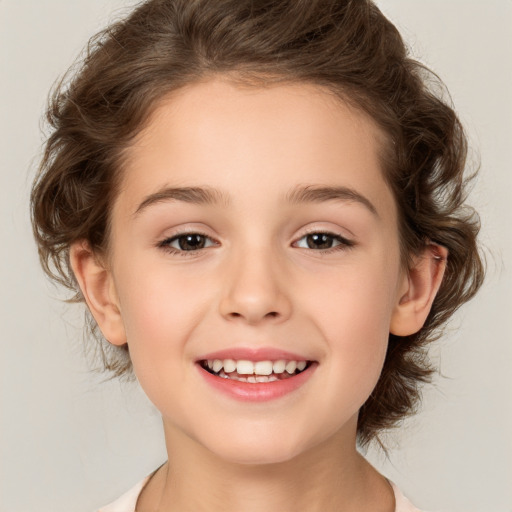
(354, 318)
(161, 316)
(358, 299)
(159, 312)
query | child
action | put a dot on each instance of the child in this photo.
(261, 204)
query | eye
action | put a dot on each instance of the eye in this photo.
(187, 242)
(323, 241)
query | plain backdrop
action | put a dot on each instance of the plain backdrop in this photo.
(69, 441)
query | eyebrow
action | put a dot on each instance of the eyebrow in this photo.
(320, 194)
(298, 195)
(193, 195)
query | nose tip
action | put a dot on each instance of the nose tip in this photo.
(254, 293)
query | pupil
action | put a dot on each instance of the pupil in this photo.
(319, 241)
(191, 242)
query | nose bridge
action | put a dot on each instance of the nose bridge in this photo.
(255, 286)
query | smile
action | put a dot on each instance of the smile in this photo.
(254, 372)
(255, 376)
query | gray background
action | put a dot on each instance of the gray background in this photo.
(71, 442)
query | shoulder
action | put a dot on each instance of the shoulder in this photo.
(128, 501)
(402, 503)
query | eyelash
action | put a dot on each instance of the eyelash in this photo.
(344, 243)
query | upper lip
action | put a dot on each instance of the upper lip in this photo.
(253, 354)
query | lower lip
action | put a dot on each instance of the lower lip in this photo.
(260, 391)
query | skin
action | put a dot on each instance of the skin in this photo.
(257, 283)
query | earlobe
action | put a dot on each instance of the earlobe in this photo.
(420, 286)
(98, 289)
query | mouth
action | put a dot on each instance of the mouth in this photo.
(255, 372)
(255, 375)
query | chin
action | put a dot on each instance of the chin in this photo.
(258, 450)
(257, 457)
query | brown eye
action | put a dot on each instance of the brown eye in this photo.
(191, 242)
(323, 241)
(319, 241)
(187, 242)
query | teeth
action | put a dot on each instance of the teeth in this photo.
(263, 367)
(264, 378)
(291, 366)
(253, 379)
(279, 366)
(229, 365)
(244, 367)
(259, 368)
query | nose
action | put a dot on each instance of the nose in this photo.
(255, 289)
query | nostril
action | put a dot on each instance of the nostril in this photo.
(271, 314)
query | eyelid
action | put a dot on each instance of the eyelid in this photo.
(327, 231)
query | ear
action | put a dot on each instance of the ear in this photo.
(420, 285)
(98, 289)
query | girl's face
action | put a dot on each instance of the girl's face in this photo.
(255, 224)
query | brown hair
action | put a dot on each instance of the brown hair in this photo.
(347, 46)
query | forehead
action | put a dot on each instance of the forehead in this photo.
(253, 143)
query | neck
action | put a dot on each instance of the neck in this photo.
(331, 476)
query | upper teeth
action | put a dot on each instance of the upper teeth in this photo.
(244, 367)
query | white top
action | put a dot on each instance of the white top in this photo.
(127, 502)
